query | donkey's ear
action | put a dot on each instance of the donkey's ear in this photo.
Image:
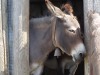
(67, 8)
(54, 10)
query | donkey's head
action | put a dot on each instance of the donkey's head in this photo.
(67, 33)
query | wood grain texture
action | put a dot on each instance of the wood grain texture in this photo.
(3, 38)
(94, 24)
(5, 34)
(92, 62)
(18, 37)
(1, 45)
(88, 6)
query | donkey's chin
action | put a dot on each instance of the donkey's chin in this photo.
(78, 52)
(77, 59)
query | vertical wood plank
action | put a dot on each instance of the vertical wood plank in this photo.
(88, 6)
(5, 35)
(1, 45)
(3, 38)
(91, 61)
(94, 23)
(18, 18)
(96, 5)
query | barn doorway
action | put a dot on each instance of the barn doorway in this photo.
(38, 9)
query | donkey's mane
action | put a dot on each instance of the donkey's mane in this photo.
(42, 20)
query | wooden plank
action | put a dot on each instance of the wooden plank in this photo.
(94, 24)
(96, 5)
(5, 35)
(1, 45)
(91, 42)
(3, 38)
(88, 6)
(18, 18)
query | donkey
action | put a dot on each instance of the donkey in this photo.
(57, 31)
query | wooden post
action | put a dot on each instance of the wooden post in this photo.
(92, 36)
(1, 45)
(3, 38)
(18, 39)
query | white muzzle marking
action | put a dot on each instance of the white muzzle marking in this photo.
(80, 48)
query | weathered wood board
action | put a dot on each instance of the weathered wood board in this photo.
(18, 39)
(92, 36)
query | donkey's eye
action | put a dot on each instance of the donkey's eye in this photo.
(73, 31)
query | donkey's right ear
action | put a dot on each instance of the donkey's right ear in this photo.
(55, 10)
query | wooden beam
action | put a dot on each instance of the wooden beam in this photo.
(3, 38)
(92, 66)
(94, 23)
(18, 39)
(88, 6)
(1, 45)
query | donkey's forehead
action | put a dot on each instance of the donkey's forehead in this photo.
(72, 21)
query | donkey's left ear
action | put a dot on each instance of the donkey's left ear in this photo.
(67, 8)
(55, 10)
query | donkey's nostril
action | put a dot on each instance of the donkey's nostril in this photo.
(81, 55)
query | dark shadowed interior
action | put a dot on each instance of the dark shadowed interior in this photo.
(39, 9)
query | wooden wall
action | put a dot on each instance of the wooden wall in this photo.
(92, 36)
(14, 37)
(18, 39)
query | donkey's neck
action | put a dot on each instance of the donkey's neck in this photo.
(41, 38)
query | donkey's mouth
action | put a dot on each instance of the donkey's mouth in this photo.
(77, 59)
(79, 52)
